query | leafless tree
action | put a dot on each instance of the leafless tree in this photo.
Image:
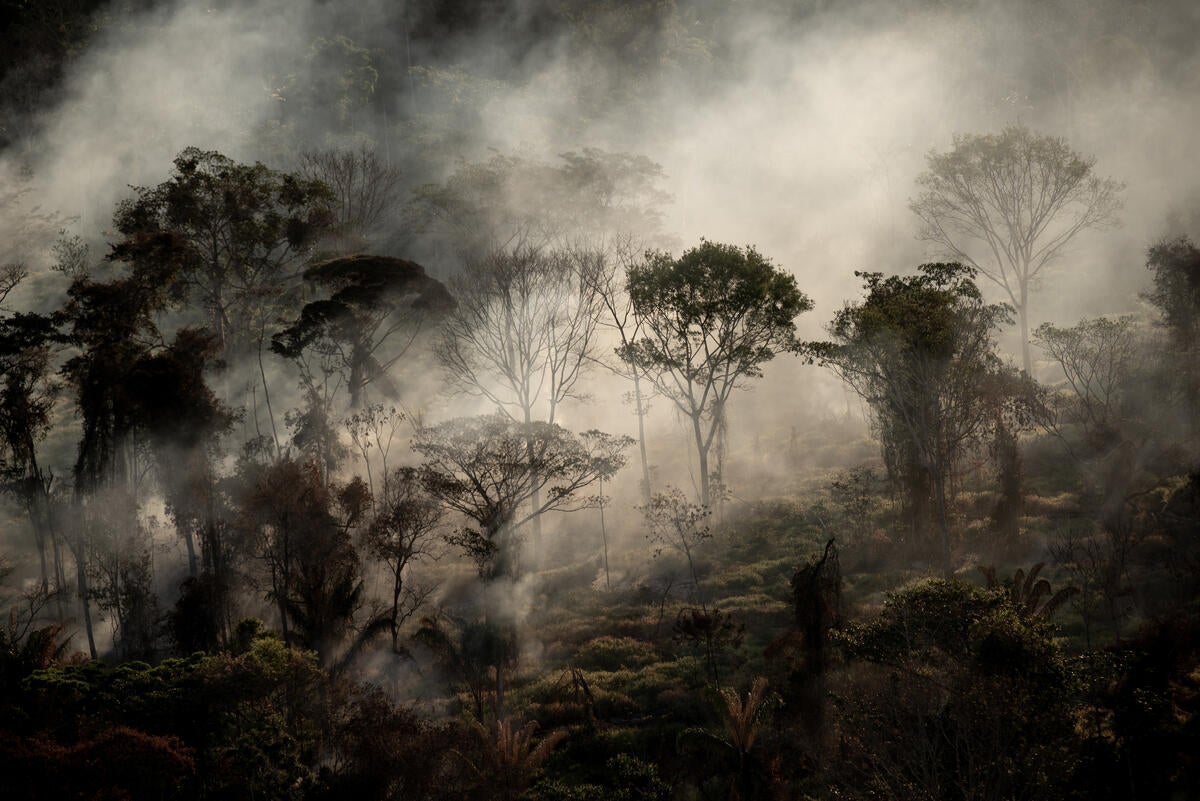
(366, 192)
(1096, 357)
(404, 530)
(1009, 204)
(604, 271)
(522, 335)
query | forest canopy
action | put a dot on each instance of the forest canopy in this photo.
(565, 400)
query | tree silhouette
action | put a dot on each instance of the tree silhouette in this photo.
(482, 468)
(920, 351)
(240, 232)
(1009, 204)
(376, 308)
(708, 321)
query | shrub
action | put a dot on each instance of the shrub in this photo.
(614, 653)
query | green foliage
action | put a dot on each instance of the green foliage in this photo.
(252, 719)
(708, 321)
(614, 653)
(624, 777)
(1031, 596)
(955, 668)
(234, 231)
(376, 307)
(920, 351)
(1176, 293)
(487, 467)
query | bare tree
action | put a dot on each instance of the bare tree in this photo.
(674, 522)
(374, 429)
(523, 331)
(366, 192)
(403, 531)
(605, 273)
(522, 335)
(1096, 357)
(1009, 204)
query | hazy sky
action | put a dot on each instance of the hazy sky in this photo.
(799, 133)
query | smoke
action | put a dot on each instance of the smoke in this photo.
(797, 130)
(800, 133)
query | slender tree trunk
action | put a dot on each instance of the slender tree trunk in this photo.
(397, 588)
(39, 534)
(1023, 317)
(262, 371)
(702, 454)
(60, 579)
(281, 584)
(535, 501)
(604, 536)
(641, 415)
(82, 587)
(939, 498)
(357, 383)
(283, 620)
(191, 550)
(500, 688)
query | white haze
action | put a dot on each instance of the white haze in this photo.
(806, 146)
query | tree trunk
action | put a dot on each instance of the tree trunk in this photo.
(356, 383)
(535, 502)
(191, 550)
(1023, 317)
(604, 536)
(397, 588)
(283, 620)
(939, 498)
(702, 454)
(39, 534)
(82, 586)
(641, 415)
(500, 688)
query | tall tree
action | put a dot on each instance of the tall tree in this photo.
(1175, 265)
(482, 468)
(377, 306)
(488, 469)
(708, 321)
(366, 192)
(404, 530)
(1009, 204)
(920, 351)
(604, 271)
(300, 526)
(523, 331)
(243, 231)
(113, 326)
(521, 336)
(28, 391)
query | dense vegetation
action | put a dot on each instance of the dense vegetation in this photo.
(306, 493)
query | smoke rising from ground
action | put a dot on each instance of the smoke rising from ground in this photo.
(799, 133)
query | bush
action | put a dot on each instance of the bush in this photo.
(614, 653)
